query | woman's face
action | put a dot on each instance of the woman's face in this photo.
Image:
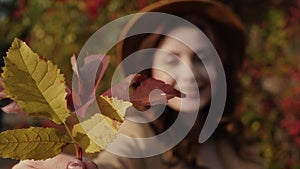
(179, 65)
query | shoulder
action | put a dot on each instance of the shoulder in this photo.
(221, 154)
(113, 157)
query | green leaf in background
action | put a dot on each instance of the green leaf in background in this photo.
(95, 133)
(31, 143)
(35, 83)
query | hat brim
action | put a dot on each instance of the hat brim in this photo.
(214, 11)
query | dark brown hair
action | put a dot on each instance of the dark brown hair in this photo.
(232, 56)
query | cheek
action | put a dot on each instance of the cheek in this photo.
(205, 74)
(163, 76)
(212, 75)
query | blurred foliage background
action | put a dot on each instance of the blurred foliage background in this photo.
(270, 103)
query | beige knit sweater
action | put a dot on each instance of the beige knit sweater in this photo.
(214, 154)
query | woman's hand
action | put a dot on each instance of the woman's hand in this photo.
(62, 161)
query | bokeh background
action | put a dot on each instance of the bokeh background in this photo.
(270, 100)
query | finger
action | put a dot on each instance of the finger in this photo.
(25, 164)
(76, 165)
(91, 165)
(20, 166)
(61, 161)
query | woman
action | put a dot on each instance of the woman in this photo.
(183, 62)
(228, 147)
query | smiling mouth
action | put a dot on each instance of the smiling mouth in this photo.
(193, 93)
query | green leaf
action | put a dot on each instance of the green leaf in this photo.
(35, 83)
(32, 143)
(112, 107)
(95, 133)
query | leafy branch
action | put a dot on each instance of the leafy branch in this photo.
(37, 87)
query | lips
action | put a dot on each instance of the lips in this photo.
(192, 92)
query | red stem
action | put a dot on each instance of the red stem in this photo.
(79, 153)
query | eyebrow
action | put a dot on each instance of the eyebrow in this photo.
(198, 51)
(177, 53)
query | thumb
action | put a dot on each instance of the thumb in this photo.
(58, 162)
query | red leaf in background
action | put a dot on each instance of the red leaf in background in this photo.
(13, 107)
(62, 1)
(297, 140)
(93, 7)
(83, 74)
(7, 105)
(70, 102)
(82, 95)
(21, 9)
(290, 106)
(143, 3)
(140, 96)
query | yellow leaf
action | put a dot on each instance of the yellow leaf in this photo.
(32, 143)
(95, 133)
(35, 83)
(112, 107)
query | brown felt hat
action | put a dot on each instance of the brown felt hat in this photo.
(219, 14)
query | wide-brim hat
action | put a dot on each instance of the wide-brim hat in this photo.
(213, 11)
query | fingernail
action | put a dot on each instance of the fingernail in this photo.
(75, 165)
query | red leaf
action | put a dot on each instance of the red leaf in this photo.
(140, 95)
(121, 90)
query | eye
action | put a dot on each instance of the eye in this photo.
(197, 60)
(202, 57)
(170, 59)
